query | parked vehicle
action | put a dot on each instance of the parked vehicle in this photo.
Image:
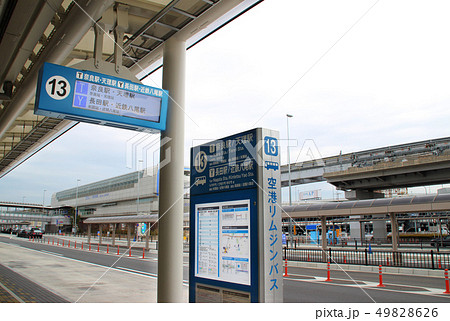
(22, 233)
(35, 233)
(437, 241)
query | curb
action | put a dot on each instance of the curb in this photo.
(368, 268)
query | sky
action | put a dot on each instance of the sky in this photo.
(355, 75)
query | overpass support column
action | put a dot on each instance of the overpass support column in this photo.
(396, 256)
(323, 223)
(89, 233)
(171, 190)
(394, 228)
(379, 229)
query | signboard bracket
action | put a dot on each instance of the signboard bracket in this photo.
(106, 68)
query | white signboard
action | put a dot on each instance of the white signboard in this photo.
(222, 250)
(271, 264)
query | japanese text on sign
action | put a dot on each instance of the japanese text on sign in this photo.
(116, 101)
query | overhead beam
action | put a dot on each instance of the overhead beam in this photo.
(82, 15)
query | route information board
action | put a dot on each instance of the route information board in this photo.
(223, 241)
(88, 96)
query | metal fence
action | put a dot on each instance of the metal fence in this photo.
(418, 259)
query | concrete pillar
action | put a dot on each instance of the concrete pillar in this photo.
(379, 229)
(394, 233)
(128, 235)
(147, 237)
(396, 256)
(323, 222)
(355, 229)
(89, 233)
(362, 231)
(100, 230)
(113, 242)
(170, 250)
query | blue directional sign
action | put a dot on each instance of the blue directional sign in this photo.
(224, 165)
(92, 97)
(235, 219)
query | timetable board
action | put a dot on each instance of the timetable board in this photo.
(223, 241)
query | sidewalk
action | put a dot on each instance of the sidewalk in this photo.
(78, 281)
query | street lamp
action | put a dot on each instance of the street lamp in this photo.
(139, 192)
(289, 157)
(138, 196)
(43, 199)
(76, 211)
(289, 173)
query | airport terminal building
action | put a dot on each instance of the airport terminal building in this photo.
(115, 202)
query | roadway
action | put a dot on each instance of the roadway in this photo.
(76, 275)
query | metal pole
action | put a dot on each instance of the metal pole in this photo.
(289, 158)
(76, 211)
(324, 238)
(170, 249)
(43, 211)
(139, 191)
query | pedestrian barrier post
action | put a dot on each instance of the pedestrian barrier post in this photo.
(447, 287)
(381, 285)
(107, 248)
(285, 268)
(129, 251)
(143, 253)
(328, 273)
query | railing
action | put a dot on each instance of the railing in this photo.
(415, 242)
(418, 259)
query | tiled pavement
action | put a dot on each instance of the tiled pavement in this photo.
(16, 288)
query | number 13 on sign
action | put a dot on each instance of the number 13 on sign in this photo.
(270, 146)
(57, 87)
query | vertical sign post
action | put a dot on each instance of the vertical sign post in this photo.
(235, 220)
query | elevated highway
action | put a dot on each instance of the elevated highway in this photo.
(406, 165)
